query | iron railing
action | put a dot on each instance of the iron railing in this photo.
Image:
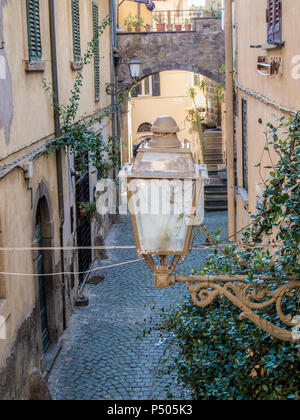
(177, 20)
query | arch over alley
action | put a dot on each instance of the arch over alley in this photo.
(200, 51)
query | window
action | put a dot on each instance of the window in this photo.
(274, 20)
(76, 31)
(34, 30)
(197, 79)
(96, 52)
(145, 128)
(148, 87)
(245, 143)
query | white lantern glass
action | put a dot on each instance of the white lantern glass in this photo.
(162, 210)
(135, 69)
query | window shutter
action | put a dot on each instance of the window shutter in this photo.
(156, 84)
(34, 30)
(274, 20)
(136, 91)
(96, 51)
(76, 31)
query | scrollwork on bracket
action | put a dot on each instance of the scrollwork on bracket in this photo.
(249, 297)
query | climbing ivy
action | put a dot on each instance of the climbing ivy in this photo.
(78, 135)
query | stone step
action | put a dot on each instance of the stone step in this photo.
(216, 193)
(216, 201)
(216, 208)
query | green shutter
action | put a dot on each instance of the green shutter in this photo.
(76, 30)
(96, 51)
(156, 84)
(34, 30)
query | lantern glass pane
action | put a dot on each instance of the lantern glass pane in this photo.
(163, 211)
(135, 70)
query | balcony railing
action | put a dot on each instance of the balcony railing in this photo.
(180, 19)
(174, 20)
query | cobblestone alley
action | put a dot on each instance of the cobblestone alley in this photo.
(104, 355)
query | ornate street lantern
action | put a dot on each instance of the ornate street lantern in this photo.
(166, 199)
(135, 67)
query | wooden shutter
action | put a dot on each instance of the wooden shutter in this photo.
(34, 30)
(274, 20)
(156, 84)
(76, 31)
(136, 91)
(96, 51)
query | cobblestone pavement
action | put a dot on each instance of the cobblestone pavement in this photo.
(104, 354)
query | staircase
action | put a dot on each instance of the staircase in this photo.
(216, 194)
(213, 149)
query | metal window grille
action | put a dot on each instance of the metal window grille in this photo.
(245, 143)
(96, 51)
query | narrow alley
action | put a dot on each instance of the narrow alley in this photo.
(104, 355)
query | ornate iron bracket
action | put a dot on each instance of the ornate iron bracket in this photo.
(248, 296)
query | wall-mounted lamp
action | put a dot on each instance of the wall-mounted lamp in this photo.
(135, 67)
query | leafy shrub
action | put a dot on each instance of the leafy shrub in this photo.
(222, 358)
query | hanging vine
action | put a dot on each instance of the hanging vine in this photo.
(78, 135)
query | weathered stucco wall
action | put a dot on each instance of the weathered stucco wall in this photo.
(281, 89)
(6, 99)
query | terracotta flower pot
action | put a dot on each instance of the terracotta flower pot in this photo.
(188, 27)
(170, 28)
(83, 212)
(198, 15)
(161, 27)
(208, 14)
(148, 28)
(138, 29)
(178, 28)
(129, 29)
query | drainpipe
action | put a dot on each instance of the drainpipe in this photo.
(59, 165)
(115, 69)
(229, 126)
(113, 34)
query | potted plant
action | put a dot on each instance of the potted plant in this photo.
(198, 11)
(138, 23)
(147, 28)
(178, 27)
(207, 12)
(170, 27)
(88, 209)
(128, 22)
(160, 23)
(187, 25)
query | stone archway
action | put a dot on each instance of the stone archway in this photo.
(200, 51)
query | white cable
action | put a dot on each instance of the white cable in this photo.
(68, 273)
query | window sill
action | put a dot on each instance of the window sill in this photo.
(268, 47)
(77, 65)
(35, 66)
